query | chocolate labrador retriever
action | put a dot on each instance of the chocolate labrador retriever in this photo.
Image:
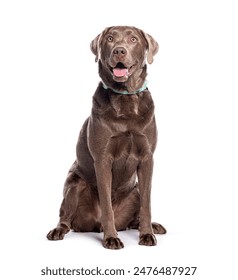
(115, 146)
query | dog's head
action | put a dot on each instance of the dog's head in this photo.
(122, 52)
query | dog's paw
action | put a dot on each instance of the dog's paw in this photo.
(147, 239)
(113, 243)
(57, 234)
(158, 229)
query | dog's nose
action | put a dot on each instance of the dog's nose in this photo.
(120, 51)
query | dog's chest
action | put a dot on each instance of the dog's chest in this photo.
(128, 145)
(125, 105)
(122, 127)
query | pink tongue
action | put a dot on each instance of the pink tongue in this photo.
(120, 72)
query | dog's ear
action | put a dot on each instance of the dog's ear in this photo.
(152, 46)
(95, 45)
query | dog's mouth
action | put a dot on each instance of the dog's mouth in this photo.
(121, 72)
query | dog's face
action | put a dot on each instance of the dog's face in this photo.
(123, 50)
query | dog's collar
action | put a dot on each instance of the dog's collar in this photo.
(125, 91)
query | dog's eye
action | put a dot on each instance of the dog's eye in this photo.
(110, 38)
(133, 39)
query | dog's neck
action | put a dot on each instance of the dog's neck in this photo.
(144, 87)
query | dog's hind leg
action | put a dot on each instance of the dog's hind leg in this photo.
(158, 228)
(73, 186)
(127, 214)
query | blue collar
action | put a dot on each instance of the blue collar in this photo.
(125, 91)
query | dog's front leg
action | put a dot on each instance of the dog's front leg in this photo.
(145, 171)
(104, 181)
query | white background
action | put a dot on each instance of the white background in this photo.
(47, 79)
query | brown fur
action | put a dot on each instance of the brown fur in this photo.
(115, 147)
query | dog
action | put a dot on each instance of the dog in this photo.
(108, 188)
